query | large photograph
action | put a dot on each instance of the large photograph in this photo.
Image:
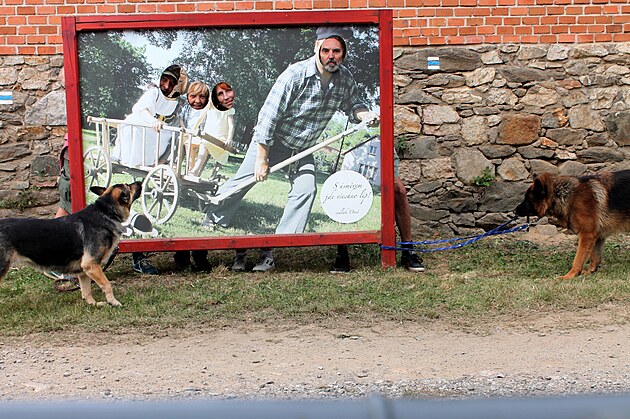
(240, 131)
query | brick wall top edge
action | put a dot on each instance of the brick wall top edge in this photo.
(416, 22)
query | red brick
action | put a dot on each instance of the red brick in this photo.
(46, 50)
(448, 31)
(496, 39)
(530, 20)
(472, 40)
(56, 39)
(577, 29)
(585, 38)
(611, 10)
(343, 4)
(263, 5)
(147, 8)
(66, 10)
(166, 8)
(26, 50)
(486, 30)
(105, 9)
(622, 37)
(361, 4)
(555, 10)
(437, 40)
(518, 11)
(531, 39)
(45, 10)
(500, 11)
(12, 50)
(542, 30)
(463, 11)
(86, 9)
(125, 8)
(8, 30)
(512, 21)
(548, 39)
(566, 38)
(614, 28)
(25, 10)
(482, 11)
(182, 8)
(603, 37)
(603, 20)
(559, 29)
(523, 30)
(47, 30)
(406, 13)
(225, 6)
(592, 10)
(35, 39)
(465, 30)
(17, 20)
(249, 5)
(419, 41)
(496, 21)
(596, 29)
(586, 20)
(444, 12)
(567, 20)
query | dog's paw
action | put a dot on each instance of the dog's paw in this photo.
(115, 303)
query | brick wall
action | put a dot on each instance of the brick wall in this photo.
(32, 27)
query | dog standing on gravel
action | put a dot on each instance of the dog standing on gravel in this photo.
(76, 244)
(593, 207)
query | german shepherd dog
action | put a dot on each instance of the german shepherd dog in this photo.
(593, 207)
(75, 244)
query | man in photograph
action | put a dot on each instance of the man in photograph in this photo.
(300, 104)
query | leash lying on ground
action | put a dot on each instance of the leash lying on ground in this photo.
(459, 241)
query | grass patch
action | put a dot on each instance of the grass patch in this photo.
(478, 282)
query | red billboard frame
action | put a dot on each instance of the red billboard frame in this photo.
(386, 236)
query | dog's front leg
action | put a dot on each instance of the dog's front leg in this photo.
(586, 241)
(86, 289)
(94, 271)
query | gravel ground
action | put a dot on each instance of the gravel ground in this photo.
(554, 354)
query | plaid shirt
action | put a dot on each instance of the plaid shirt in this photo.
(296, 110)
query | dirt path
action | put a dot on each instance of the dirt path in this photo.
(568, 353)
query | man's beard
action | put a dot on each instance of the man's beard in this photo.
(331, 66)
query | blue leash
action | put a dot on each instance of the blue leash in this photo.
(463, 241)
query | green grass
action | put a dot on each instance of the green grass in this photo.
(490, 279)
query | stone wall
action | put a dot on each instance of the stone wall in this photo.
(517, 110)
(31, 134)
(512, 110)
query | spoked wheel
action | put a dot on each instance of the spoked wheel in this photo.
(97, 167)
(160, 194)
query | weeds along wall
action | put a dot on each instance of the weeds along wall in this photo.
(487, 93)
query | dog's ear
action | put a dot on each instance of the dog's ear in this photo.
(540, 187)
(99, 190)
(136, 189)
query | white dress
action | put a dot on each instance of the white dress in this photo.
(218, 126)
(130, 143)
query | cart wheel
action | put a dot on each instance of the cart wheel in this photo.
(97, 167)
(160, 194)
